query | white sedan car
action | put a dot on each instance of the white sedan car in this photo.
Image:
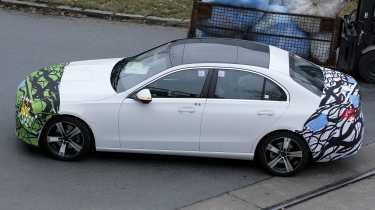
(221, 98)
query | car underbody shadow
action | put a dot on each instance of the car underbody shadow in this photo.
(171, 159)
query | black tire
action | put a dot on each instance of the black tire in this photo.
(366, 67)
(66, 138)
(279, 161)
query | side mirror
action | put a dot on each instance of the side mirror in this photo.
(144, 96)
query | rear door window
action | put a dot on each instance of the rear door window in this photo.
(233, 84)
(243, 85)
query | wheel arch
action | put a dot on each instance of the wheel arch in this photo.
(277, 132)
(93, 144)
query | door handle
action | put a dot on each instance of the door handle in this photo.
(266, 113)
(190, 110)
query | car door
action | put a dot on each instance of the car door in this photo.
(242, 106)
(172, 121)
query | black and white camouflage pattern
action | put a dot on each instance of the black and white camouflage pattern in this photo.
(335, 130)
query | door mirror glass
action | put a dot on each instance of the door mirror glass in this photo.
(144, 96)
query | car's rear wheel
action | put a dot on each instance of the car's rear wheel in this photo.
(283, 154)
(66, 138)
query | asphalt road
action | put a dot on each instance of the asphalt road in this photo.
(29, 180)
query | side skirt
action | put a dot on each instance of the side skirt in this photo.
(237, 156)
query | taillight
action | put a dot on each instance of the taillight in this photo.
(349, 114)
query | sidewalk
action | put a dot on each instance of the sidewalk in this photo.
(359, 196)
(276, 189)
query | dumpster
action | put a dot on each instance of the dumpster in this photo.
(312, 37)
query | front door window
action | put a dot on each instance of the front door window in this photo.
(182, 84)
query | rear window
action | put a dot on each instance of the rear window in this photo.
(307, 74)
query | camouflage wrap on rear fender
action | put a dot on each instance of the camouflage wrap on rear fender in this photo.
(335, 130)
(37, 100)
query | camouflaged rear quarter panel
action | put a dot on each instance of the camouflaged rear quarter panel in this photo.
(335, 130)
(37, 100)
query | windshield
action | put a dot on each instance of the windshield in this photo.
(307, 74)
(131, 71)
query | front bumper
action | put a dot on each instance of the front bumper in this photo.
(37, 100)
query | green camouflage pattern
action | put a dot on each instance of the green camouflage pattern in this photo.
(37, 100)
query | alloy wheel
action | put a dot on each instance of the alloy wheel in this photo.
(65, 140)
(283, 155)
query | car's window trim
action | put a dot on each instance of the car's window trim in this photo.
(211, 68)
(207, 84)
(165, 73)
(214, 82)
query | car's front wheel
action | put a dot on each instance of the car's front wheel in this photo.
(66, 138)
(283, 154)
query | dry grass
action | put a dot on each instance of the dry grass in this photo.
(352, 5)
(161, 8)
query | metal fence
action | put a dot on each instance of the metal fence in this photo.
(311, 37)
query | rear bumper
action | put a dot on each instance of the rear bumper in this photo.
(346, 147)
(335, 142)
(335, 130)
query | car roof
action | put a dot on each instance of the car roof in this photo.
(219, 50)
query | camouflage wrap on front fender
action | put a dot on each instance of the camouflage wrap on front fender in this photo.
(37, 100)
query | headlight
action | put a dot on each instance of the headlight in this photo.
(23, 103)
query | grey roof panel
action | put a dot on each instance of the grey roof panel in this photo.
(223, 50)
(226, 41)
(209, 53)
(176, 53)
(253, 58)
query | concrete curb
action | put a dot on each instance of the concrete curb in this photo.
(46, 7)
(322, 191)
(277, 190)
